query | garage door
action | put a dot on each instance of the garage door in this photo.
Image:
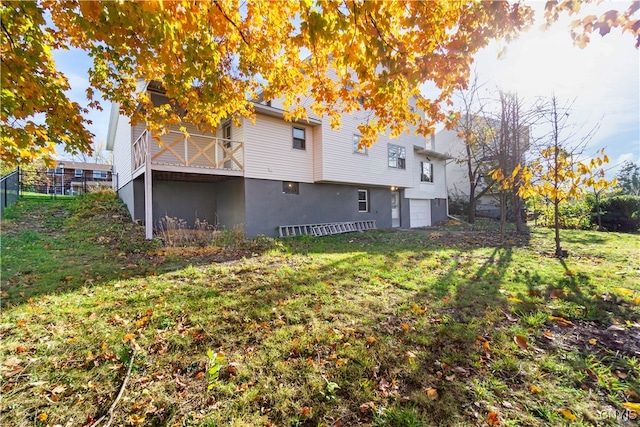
(420, 213)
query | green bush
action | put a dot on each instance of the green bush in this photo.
(620, 213)
(575, 214)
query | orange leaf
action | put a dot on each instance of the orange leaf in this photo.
(128, 337)
(568, 415)
(371, 340)
(521, 341)
(534, 389)
(43, 417)
(305, 411)
(492, 419)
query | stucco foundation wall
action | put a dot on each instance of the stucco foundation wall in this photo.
(184, 200)
(230, 204)
(126, 194)
(138, 196)
(267, 207)
(405, 211)
(438, 210)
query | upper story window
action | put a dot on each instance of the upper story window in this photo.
(397, 156)
(226, 131)
(78, 173)
(299, 140)
(426, 171)
(99, 174)
(56, 171)
(356, 145)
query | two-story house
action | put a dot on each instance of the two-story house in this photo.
(263, 175)
(70, 178)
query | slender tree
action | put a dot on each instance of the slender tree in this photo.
(557, 174)
(475, 156)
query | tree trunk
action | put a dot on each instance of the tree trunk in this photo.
(556, 219)
(472, 204)
(503, 215)
(598, 212)
(517, 212)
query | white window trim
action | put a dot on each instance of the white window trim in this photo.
(304, 140)
(397, 149)
(356, 150)
(78, 175)
(365, 201)
(422, 172)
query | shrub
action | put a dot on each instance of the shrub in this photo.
(621, 213)
(575, 214)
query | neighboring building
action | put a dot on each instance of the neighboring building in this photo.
(257, 177)
(448, 142)
(452, 145)
(78, 177)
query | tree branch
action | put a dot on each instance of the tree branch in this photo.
(231, 22)
(119, 396)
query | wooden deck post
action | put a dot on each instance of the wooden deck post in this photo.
(148, 196)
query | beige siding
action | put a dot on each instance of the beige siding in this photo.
(428, 190)
(269, 152)
(122, 151)
(341, 164)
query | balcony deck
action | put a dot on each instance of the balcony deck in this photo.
(193, 153)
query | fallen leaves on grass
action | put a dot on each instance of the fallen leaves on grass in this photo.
(561, 321)
(632, 406)
(492, 419)
(431, 393)
(534, 389)
(521, 342)
(568, 415)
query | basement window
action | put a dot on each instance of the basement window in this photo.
(290, 187)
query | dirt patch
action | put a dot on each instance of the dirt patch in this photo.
(591, 338)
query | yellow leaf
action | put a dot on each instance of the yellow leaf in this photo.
(43, 417)
(432, 393)
(593, 341)
(568, 415)
(624, 291)
(128, 337)
(534, 389)
(632, 406)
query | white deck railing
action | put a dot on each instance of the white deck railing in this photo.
(193, 150)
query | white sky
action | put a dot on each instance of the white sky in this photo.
(603, 78)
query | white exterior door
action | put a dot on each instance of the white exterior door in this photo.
(395, 209)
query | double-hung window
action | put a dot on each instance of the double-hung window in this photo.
(99, 174)
(78, 173)
(356, 145)
(299, 141)
(426, 171)
(397, 156)
(363, 200)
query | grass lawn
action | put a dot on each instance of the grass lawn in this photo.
(387, 328)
